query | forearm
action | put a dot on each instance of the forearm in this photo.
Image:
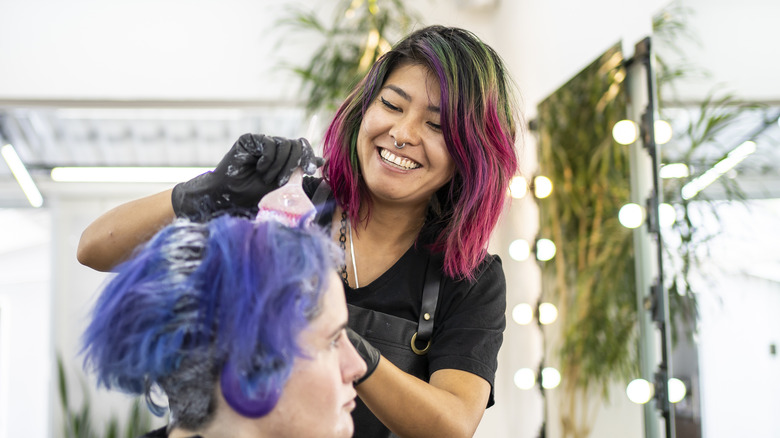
(112, 237)
(450, 406)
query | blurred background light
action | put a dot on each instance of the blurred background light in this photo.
(519, 250)
(523, 314)
(625, 132)
(525, 378)
(676, 390)
(551, 378)
(640, 391)
(545, 250)
(543, 187)
(663, 132)
(548, 313)
(518, 187)
(631, 215)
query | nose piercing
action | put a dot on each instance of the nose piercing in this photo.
(395, 143)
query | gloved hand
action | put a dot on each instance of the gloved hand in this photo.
(254, 166)
(366, 351)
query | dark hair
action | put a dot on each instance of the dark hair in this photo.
(478, 122)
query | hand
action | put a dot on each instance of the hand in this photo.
(254, 166)
(366, 351)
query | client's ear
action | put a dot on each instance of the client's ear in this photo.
(251, 406)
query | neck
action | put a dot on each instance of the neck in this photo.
(393, 222)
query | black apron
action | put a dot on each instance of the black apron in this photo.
(404, 343)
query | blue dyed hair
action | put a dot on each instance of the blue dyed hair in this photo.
(204, 294)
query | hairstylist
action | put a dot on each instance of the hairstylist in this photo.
(419, 157)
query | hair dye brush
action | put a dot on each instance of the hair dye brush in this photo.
(288, 204)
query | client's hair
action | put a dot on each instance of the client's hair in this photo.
(199, 296)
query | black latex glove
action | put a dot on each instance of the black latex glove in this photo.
(367, 351)
(254, 166)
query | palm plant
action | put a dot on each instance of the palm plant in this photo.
(81, 422)
(359, 33)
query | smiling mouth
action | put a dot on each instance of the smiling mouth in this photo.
(399, 162)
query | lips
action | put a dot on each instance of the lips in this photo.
(399, 162)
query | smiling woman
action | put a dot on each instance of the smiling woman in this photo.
(418, 161)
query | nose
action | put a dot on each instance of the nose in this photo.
(405, 130)
(352, 365)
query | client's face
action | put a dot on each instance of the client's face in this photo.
(319, 397)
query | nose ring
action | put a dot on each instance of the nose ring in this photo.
(395, 143)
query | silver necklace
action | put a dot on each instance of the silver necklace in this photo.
(352, 251)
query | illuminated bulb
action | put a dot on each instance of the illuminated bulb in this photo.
(640, 391)
(548, 313)
(545, 249)
(542, 187)
(625, 132)
(518, 187)
(523, 314)
(631, 215)
(551, 378)
(666, 215)
(519, 250)
(676, 390)
(525, 378)
(663, 132)
(674, 170)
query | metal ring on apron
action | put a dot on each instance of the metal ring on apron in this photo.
(416, 350)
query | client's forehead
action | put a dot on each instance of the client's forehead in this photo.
(333, 316)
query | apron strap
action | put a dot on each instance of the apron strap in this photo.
(421, 341)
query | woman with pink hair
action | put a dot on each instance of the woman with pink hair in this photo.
(417, 163)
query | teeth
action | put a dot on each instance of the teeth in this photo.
(398, 161)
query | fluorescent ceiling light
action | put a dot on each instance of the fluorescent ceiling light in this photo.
(674, 170)
(721, 167)
(126, 174)
(22, 176)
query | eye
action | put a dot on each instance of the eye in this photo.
(389, 105)
(336, 342)
(435, 126)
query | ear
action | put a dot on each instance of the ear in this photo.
(251, 406)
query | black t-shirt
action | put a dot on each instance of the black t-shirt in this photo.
(470, 316)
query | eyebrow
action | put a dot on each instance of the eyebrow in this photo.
(337, 331)
(406, 97)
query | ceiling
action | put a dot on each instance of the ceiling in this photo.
(177, 134)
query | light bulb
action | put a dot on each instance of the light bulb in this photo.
(631, 215)
(523, 314)
(545, 250)
(525, 378)
(640, 391)
(543, 187)
(625, 132)
(548, 313)
(676, 390)
(662, 131)
(518, 187)
(551, 378)
(519, 250)
(666, 215)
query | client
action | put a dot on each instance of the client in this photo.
(240, 323)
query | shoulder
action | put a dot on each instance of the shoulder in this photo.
(486, 291)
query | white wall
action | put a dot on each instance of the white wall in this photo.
(739, 302)
(25, 323)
